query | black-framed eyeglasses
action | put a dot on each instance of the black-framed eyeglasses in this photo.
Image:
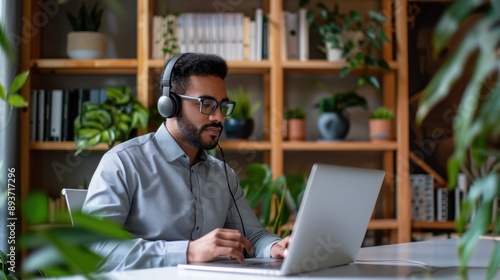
(208, 105)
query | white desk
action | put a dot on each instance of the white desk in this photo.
(417, 260)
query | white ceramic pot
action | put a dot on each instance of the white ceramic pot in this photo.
(86, 45)
(332, 54)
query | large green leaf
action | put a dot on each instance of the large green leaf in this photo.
(18, 82)
(451, 20)
(119, 95)
(5, 44)
(3, 94)
(3, 262)
(484, 190)
(17, 101)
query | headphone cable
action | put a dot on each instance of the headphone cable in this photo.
(229, 188)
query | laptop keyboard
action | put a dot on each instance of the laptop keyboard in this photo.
(254, 263)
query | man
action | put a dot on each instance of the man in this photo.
(175, 199)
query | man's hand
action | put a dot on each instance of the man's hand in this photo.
(278, 251)
(219, 242)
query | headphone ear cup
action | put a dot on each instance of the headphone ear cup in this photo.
(169, 105)
(165, 106)
(177, 103)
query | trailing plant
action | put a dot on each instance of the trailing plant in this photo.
(110, 121)
(85, 20)
(475, 126)
(244, 108)
(170, 43)
(11, 96)
(267, 196)
(382, 113)
(339, 101)
(295, 113)
(359, 39)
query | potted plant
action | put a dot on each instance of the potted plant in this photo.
(333, 124)
(358, 39)
(381, 125)
(110, 121)
(295, 124)
(240, 124)
(274, 201)
(85, 42)
(332, 26)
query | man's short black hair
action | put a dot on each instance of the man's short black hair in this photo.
(196, 64)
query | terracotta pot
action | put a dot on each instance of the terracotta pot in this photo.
(284, 129)
(296, 130)
(381, 130)
(86, 45)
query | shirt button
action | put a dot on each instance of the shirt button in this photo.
(197, 228)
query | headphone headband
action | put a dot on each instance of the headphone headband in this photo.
(169, 103)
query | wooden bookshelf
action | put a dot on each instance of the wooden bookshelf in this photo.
(394, 95)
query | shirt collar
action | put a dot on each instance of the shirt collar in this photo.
(169, 147)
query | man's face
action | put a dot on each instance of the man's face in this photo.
(200, 130)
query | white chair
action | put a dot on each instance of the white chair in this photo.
(74, 199)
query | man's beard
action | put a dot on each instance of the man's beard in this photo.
(190, 134)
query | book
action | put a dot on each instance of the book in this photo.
(46, 119)
(303, 35)
(40, 117)
(259, 17)
(70, 109)
(422, 197)
(265, 38)
(442, 204)
(292, 35)
(33, 116)
(56, 115)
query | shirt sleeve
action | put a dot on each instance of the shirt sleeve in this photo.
(108, 197)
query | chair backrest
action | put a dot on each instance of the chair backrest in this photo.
(74, 199)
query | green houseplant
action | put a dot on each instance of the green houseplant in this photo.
(85, 42)
(294, 124)
(266, 196)
(357, 39)
(6, 270)
(110, 121)
(381, 125)
(475, 127)
(240, 124)
(333, 124)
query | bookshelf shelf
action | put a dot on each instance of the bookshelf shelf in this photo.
(62, 146)
(237, 67)
(236, 145)
(394, 94)
(91, 66)
(322, 66)
(339, 146)
(383, 224)
(448, 225)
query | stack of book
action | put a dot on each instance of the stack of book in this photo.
(233, 36)
(53, 111)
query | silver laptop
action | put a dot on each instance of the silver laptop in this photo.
(330, 225)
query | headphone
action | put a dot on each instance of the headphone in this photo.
(169, 104)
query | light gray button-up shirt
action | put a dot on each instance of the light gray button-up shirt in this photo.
(146, 185)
